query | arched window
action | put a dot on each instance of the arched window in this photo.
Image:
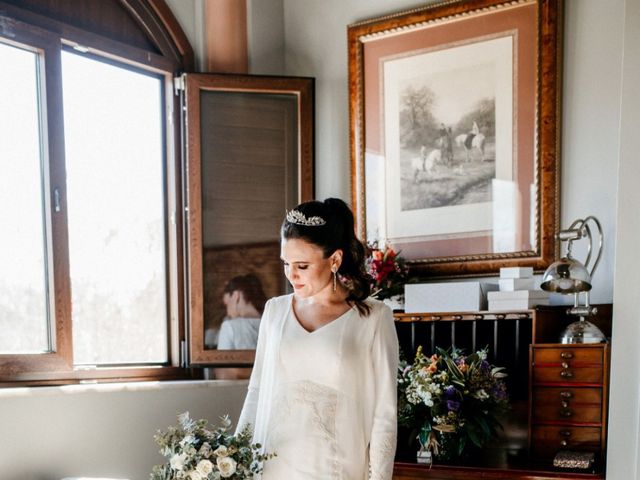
(90, 253)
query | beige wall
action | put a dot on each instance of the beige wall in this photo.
(49, 433)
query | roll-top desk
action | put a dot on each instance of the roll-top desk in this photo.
(558, 392)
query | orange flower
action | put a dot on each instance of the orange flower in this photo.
(377, 255)
(433, 368)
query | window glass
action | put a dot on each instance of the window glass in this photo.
(23, 294)
(115, 193)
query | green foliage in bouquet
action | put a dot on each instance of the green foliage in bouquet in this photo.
(452, 400)
(195, 452)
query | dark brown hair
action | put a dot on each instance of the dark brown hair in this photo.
(337, 233)
(250, 287)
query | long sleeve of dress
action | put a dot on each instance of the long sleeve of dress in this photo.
(250, 407)
(384, 427)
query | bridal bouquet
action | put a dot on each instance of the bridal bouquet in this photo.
(452, 400)
(195, 452)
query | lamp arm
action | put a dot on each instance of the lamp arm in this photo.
(585, 231)
(595, 221)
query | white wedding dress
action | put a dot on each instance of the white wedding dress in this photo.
(332, 413)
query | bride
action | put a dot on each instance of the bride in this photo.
(322, 394)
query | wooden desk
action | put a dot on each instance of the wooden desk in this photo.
(413, 471)
(509, 336)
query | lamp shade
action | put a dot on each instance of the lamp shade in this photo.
(567, 275)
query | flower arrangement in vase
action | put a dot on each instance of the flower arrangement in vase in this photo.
(195, 452)
(452, 400)
(387, 270)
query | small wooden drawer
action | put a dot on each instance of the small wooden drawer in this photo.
(547, 440)
(558, 396)
(570, 355)
(567, 375)
(590, 413)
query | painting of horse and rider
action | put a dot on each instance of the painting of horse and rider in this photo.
(447, 155)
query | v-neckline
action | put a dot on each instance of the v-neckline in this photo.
(297, 322)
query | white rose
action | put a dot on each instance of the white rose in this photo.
(221, 451)
(227, 466)
(195, 475)
(177, 461)
(204, 467)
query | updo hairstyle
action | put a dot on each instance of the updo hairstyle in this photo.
(337, 233)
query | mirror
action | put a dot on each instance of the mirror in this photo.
(249, 159)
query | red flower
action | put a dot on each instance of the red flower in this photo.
(387, 270)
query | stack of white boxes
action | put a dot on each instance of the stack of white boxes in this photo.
(517, 291)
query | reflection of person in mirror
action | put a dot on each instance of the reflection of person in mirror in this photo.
(244, 300)
(322, 393)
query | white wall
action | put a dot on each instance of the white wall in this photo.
(189, 14)
(265, 36)
(591, 123)
(316, 46)
(624, 411)
(265, 33)
(102, 430)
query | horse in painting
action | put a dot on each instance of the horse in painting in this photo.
(471, 142)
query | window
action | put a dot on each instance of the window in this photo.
(89, 251)
(114, 164)
(24, 312)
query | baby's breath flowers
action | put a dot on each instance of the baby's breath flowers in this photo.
(195, 452)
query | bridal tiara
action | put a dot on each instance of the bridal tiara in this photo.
(298, 218)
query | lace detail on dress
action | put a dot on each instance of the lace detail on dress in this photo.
(306, 412)
(382, 452)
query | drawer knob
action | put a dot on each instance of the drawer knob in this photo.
(564, 443)
(566, 355)
(416, 319)
(564, 404)
(565, 433)
(565, 394)
(565, 365)
(566, 413)
(566, 374)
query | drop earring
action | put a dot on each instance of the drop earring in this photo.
(335, 280)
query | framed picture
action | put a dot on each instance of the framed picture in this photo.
(455, 121)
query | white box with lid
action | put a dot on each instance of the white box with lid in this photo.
(446, 296)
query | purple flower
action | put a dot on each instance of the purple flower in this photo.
(499, 393)
(449, 392)
(484, 366)
(453, 405)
